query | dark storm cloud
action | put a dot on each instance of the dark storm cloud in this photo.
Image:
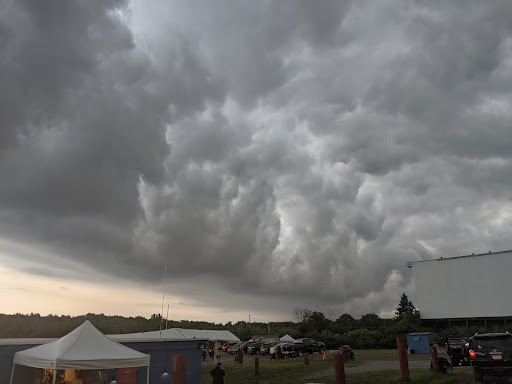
(299, 151)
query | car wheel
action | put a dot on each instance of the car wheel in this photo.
(321, 351)
(479, 378)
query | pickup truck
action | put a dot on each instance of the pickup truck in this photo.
(305, 345)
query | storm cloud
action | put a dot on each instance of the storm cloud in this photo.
(300, 151)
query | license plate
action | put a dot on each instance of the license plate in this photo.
(496, 357)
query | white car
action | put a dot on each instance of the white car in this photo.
(273, 349)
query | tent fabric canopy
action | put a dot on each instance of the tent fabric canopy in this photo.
(83, 348)
(286, 338)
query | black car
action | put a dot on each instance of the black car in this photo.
(254, 347)
(228, 344)
(235, 348)
(458, 350)
(491, 354)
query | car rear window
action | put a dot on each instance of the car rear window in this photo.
(503, 342)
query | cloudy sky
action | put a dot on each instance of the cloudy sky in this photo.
(269, 154)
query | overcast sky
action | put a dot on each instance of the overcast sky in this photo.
(270, 154)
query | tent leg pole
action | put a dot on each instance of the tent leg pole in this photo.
(12, 372)
(147, 379)
(54, 376)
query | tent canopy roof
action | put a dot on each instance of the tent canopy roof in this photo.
(286, 338)
(83, 348)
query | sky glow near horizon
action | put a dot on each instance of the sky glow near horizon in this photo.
(271, 154)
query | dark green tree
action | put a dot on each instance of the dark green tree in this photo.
(405, 308)
(370, 321)
(345, 322)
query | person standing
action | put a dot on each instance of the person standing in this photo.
(218, 374)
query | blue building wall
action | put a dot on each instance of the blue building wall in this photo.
(161, 353)
(23, 374)
(420, 342)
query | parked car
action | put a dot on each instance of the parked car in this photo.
(273, 349)
(458, 350)
(491, 354)
(307, 345)
(291, 350)
(265, 348)
(254, 347)
(227, 345)
(235, 348)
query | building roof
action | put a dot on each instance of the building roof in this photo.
(178, 334)
(409, 263)
(26, 341)
(173, 334)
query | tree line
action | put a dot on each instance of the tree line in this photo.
(368, 332)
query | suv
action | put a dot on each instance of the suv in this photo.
(491, 354)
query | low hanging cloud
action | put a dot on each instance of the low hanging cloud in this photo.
(290, 151)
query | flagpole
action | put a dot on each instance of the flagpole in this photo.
(163, 297)
(167, 318)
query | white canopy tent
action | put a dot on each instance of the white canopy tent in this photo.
(83, 348)
(286, 339)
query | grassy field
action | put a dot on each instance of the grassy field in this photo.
(273, 371)
(418, 376)
(363, 355)
(293, 371)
